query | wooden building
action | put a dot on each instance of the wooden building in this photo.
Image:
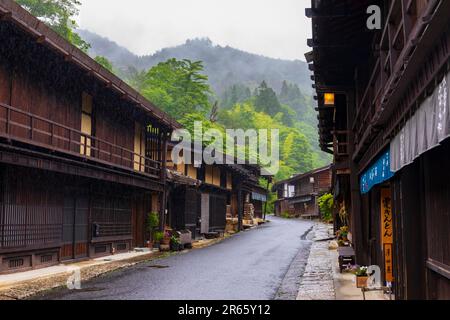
(383, 109)
(81, 153)
(298, 196)
(200, 196)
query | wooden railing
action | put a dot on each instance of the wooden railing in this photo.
(405, 21)
(340, 143)
(21, 126)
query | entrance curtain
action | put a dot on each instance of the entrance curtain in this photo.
(427, 128)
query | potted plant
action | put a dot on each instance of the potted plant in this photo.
(166, 238)
(361, 277)
(165, 241)
(152, 224)
(174, 243)
(157, 237)
(342, 236)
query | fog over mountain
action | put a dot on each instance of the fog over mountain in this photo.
(225, 66)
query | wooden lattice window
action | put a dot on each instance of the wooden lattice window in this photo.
(86, 124)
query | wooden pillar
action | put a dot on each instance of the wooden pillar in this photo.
(355, 212)
(267, 199)
(240, 205)
(163, 200)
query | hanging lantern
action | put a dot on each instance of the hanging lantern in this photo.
(328, 99)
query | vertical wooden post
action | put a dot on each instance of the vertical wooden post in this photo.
(267, 199)
(31, 128)
(163, 174)
(4, 190)
(90, 228)
(51, 134)
(70, 140)
(240, 206)
(356, 220)
(8, 120)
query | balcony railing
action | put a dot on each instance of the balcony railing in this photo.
(340, 143)
(21, 126)
(405, 21)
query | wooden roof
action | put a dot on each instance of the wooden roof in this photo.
(11, 11)
(301, 176)
(340, 41)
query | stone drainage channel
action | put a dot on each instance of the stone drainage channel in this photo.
(310, 274)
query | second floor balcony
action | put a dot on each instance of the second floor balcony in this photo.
(27, 128)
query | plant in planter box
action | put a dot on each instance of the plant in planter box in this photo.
(174, 243)
(166, 238)
(157, 237)
(152, 224)
(343, 233)
(361, 277)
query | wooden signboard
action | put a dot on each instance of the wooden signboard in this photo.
(387, 232)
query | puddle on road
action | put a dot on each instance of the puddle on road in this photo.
(91, 289)
(157, 266)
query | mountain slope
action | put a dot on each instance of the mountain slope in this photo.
(224, 66)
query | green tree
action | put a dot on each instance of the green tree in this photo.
(178, 87)
(58, 14)
(266, 100)
(237, 93)
(135, 78)
(105, 63)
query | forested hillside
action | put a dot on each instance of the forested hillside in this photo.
(181, 88)
(224, 66)
(226, 88)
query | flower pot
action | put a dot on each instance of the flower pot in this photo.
(361, 281)
(150, 245)
(164, 247)
(165, 241)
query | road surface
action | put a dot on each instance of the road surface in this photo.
(249, 265)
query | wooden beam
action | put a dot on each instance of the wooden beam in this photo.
(40, 39)
(5, 16)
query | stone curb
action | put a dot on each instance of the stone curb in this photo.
(317, 282)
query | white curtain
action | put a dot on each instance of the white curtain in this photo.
(428, 127)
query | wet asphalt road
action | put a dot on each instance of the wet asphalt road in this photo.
(249, 265)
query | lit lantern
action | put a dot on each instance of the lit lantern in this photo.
(328, 99)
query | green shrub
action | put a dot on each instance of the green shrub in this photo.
(158, 236)
(285, 215)
(152, 222)
(326, 203)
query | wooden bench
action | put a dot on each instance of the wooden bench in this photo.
(387, 290)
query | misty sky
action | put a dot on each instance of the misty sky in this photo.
(274, 28)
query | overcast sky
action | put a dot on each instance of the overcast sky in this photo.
(274, 28)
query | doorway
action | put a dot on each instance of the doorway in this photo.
(75, 226)
(204, 226)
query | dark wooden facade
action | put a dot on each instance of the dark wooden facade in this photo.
(308, 187)
(198, 197)
(82, 156)
(381, 79)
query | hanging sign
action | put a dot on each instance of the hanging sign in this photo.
(379, 172)
(387, 232)
(388, 265)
